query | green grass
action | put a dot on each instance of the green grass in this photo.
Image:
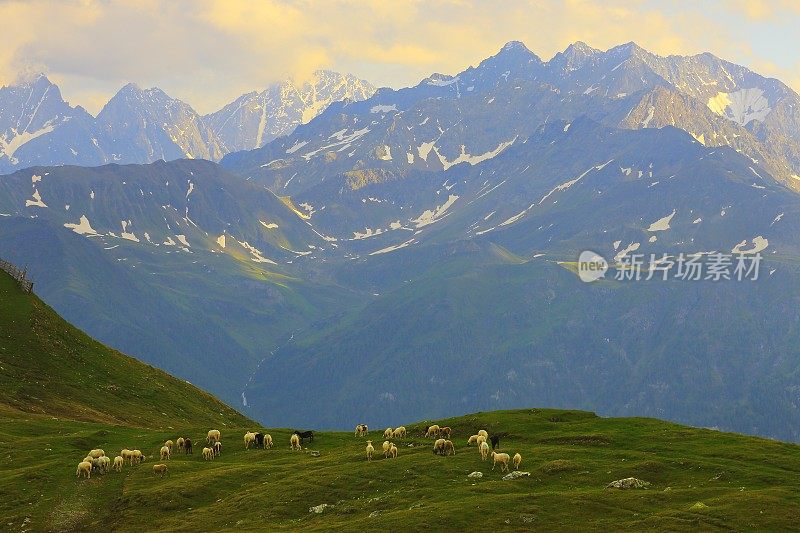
(48, 367)
(745, 482)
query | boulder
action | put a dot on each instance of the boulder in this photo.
(515, 475)
(628, 483)
(319, 508)
(475, 474)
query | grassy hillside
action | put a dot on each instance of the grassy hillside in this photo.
(48, 367)
(741, 482)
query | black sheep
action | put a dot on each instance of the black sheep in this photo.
(495, 441)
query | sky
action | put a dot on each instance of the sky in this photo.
(208, 52)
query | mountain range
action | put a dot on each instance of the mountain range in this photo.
(413, 253)
(37, 127)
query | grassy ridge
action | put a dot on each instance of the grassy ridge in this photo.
(745, 482)
(49, 367)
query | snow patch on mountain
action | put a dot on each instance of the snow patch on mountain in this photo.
(741, 106)
(759, 244)
(83, 227)
(36, 201)
(662, 224)
(431, 216)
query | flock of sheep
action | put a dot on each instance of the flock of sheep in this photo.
(443, 445)
(97, 461)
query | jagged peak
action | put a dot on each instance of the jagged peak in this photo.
(628, 49)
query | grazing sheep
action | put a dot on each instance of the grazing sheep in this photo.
(295, 442)
(169, 444)
(118, 462)
(362, 430)
(387, 433)
(267, 440)
(472, 440)
(304, 435)
(484, 449)
(249, 438)
(484, 433)
(370, 450)
(88, 459)
(208, 454)
(84, 467)
(480, 439)
(97, 464)
(501, 458)
(393, 451)
(96, 453)
(449, 449)
(399, 433)
(160, 470)
(213, 435)
(187, 445)
(517, 461)
(106, 460)
(217, 448)
(180, 444)
(138, 457)
(445, 432)
(386, 446)
(127, 455)
(495, 441)
(165, 453)
(438, 447)
(432, 431)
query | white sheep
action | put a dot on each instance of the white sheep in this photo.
(249, 438)
(480, 439)
(180, 444)
(393, 451)
(84, 467)
(386, 446)
(387, 433)
(208, 454)
(399, 433)
(438, 446)
(370, 450)
(267, 440)
(160, 470)
(484, 449)
(432, 431)
(169, 444)
(295, 442)
(96, 453)
(127, 455)
(213, 435)
(449, 449)
(484, 433)
(165, 453)
(501, 458)
(106, 460)
(517, 461)
(138, 457)
(362, 430)
(472, 440)
(118, 462)
(217, 448)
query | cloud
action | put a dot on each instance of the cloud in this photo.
(207, 52)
